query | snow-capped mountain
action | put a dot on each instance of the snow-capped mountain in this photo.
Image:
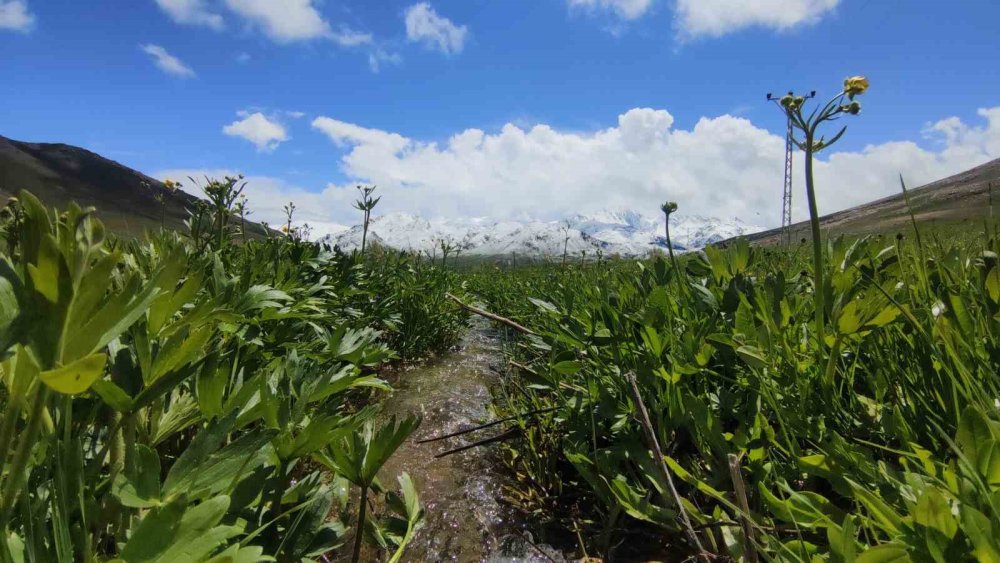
(624, 232)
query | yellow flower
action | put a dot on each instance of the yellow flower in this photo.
(284, 229)
(855, 85)
(171, 185)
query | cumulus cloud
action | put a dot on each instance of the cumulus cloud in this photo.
(625, 9)
(167, 62)
(191, 12)
(264, 132)
(715, 18)
(424, 25)
(14, 15)
(723, 166)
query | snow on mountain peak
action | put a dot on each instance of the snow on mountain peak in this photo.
(624, 232)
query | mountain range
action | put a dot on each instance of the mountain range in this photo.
(621, 232)
(131, 203)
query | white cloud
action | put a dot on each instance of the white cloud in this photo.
(14, 15)
(424, 25)
(191, 12)
(722, 166)
(379, 58)
(167, 62)
(714, 18)
(265, 133)
(243, 58)
(625, 9)
(347, 37)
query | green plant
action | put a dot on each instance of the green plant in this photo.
(810, 145)
(880, 448)
(172, 399)
(365, 205)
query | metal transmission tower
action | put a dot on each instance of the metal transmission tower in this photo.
(786, 197)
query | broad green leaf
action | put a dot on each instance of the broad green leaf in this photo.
(113, 318)
(979, 439)
(113, 395)
(203, 445)
(882, 514)
(77, 376)
(843, 545)
(806, 508)
(139, 487)
(933, 511)
(568, 367)
(885, 553)
(982, 534)
(178, 532)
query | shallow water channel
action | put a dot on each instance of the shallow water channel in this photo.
(465, 519)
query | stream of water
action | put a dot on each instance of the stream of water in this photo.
(465, 517)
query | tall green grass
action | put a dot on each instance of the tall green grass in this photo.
(200, 397)
(886, 447)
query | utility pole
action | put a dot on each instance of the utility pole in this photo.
(786, 197)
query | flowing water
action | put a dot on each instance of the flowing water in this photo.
(465, 518)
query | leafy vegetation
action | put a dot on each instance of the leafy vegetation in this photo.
(884, 448)
(201, 396)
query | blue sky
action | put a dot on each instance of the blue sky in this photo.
(507, 108)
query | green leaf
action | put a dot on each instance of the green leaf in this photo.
(752, 356)
(843, 544)
(198, 451)
(993, 284)
(412, 510)
(806, 508)
(544, 305)
(140, 486)
(933, 511)
(982, 534)
(882, 514)
(113, 395)
(568, 367)
(176, 532)
(77, 376)
(237, 554)
(885, 553)
(113, 318)
(385, 442)
(979, 439)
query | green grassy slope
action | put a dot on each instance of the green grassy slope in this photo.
(959, 202)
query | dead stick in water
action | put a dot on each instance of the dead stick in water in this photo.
(498, 438)
(487, 425)
(654, 444)
(489, 315)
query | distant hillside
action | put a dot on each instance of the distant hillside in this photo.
(952, 202)
(124, 198)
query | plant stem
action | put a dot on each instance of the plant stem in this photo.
(360, 532)
(19, 464)
(831, 363)
(817, 243)
(673, 259)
